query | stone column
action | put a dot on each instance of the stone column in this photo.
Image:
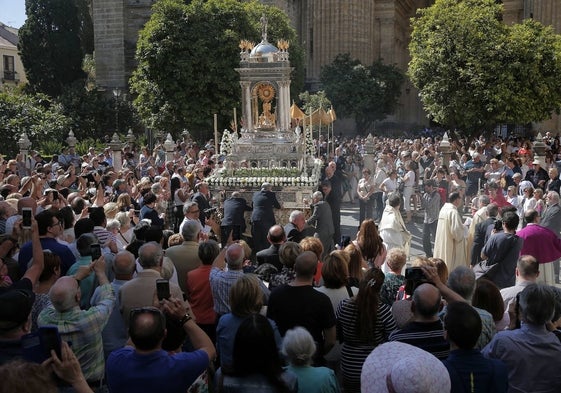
(169, 145)
(116, 146)
(246, 106)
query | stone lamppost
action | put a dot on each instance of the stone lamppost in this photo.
(130, 138)
(446, 150)
(169, 146)
(24, 144)
(539, 148)
(115, 145)
(369, 158)
(71, 140)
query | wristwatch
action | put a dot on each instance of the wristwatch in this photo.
(185, 319)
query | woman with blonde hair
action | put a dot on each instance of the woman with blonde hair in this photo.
(246, 298)
(125, 232)
(357, 264)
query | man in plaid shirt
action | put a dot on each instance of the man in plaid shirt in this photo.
(81, 327)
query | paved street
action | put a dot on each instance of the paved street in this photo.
(349, 227)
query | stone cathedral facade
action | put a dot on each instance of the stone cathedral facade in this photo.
(369, 30)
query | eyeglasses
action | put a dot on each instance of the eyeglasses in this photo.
(59, 223)
(147, 310)
(194, 211)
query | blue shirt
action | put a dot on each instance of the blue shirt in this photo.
(226, 333)
(131, 372)
(532, 355)
(67, 258)
(470, 371)
(114, 334)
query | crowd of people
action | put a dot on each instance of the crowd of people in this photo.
(153, 281)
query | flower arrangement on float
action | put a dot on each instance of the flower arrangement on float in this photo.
(277, 176)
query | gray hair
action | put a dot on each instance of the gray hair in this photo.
(150, 255)
(298, 346)
(484, 200)
(462, 281)
(235, 256)
(317, 195)
(266, 186)
(189, 205)
(113, 224)
(554, 195)
(294, 214)
(190, 230)
(123, 218)
(124, 263)
(537, 304)
(156, 188)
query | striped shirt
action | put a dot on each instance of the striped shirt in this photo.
(355, 350)
(428, 336)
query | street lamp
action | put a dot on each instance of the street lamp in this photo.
(24, 144)
(117, 95)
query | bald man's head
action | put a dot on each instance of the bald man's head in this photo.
(276, 234)
(65, 293)
(235, 256)
(426, 301)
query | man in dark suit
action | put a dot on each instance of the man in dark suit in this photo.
(321, 218)
(480, 233)
(295, 230)
(271, 255)
(234, 217)
(202, 199)
(331, 188)
(263, 216)
(551, 217)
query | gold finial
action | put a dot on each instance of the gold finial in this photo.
(283, 45)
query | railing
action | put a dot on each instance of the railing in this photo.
(10, 76)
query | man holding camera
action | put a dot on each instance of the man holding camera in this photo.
(81, 327)
(503, 249)
(425, 330)
(146, 366)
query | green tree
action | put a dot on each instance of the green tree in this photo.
(37, 115)
(365, 93)
(473, 71)
(50, 45)
(187, 55)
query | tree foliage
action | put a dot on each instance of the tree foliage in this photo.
(187, 55)
(50, 45)
(37, 115)
(473, 71)
(365, 93)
